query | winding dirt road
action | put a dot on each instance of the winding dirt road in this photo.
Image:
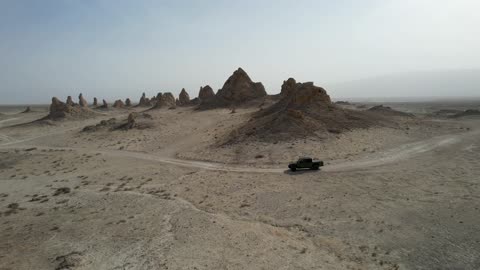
(168, 157)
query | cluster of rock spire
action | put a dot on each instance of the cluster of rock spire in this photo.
(238, 89)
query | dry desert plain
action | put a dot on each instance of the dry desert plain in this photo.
(174, 196)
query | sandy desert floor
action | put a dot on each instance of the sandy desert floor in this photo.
(173, 197)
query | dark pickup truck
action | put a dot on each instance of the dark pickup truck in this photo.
(305, 163)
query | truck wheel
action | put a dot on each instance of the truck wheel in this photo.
(315, 168)
(293, 169)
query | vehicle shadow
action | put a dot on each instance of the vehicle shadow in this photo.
(297, 172)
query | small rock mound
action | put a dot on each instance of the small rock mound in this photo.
(341, 102)
(118, 104)
(27, 110)
(103, 124)
(133, 121)
(469, 112)
(128, 102)
(388, 111)
(303, 110)
(95, 102)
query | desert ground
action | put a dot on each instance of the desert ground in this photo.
(174, 195)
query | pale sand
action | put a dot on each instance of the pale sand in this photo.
(170, 198)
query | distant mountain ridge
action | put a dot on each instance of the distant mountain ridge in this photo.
(441, 83)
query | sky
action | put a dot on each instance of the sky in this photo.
(116, 48)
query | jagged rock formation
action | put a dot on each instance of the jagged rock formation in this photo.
(81, 101)
(239, 89)
(59, 110)
(144, 101)
(287, 86)
(27, 110)
(95, 102)
(128, 102)
(206, 94)
(183, 98)
(118, 104)
(165, 100)
(303, 110)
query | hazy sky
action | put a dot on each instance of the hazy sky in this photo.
(112, 49)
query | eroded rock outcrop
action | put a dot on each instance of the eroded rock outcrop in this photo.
(165, 100)
(183, 98)
(59, 110)
(118, 104)
(239, 88)
(206, 94)
(81, 101)
(95, 102)
(104, 104)
(128, 102)
(303, 110)
(70, 101)
(131, 121)
(144, 101)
